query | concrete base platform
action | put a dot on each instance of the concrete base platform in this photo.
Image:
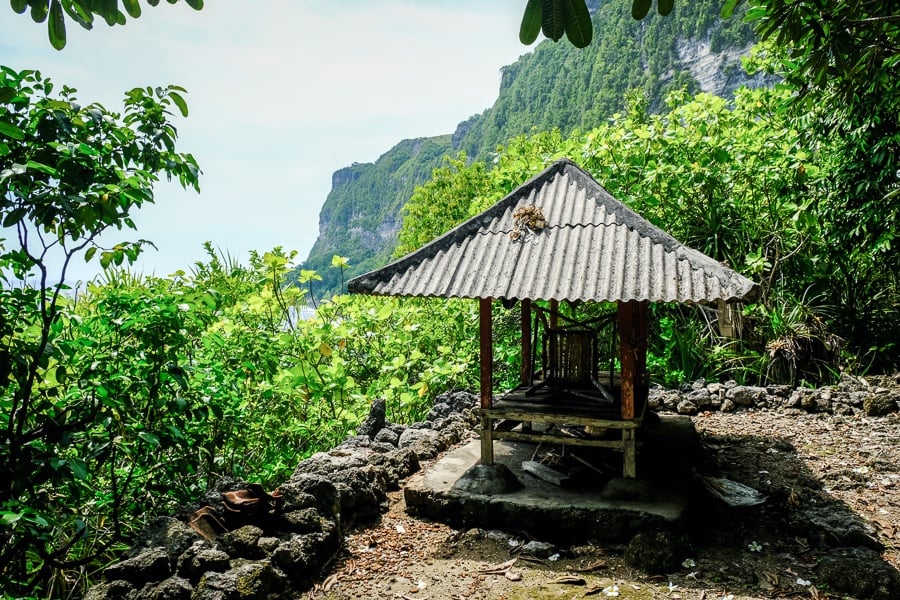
(592, 505)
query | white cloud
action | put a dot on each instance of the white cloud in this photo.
(282, 93)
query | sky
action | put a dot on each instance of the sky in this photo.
(281, 93)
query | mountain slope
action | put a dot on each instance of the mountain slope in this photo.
(555, 86)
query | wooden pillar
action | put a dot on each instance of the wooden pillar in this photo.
(527, 368)
(554, 313)
(633, 322)
(486, 359)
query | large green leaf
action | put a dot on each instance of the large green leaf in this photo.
(19, 5)
(39, 12)
(56, 28)
(531, 22)
(665, 7)
(579, 28)
(640, 8)
(179, 102)
(728, 8)
(195, 4)
(7, 93)
(554, 19)
(10, 130)
(132, 7)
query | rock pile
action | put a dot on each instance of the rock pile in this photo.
(850, 396)
(280, 545)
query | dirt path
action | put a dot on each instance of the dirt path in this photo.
(804, 463)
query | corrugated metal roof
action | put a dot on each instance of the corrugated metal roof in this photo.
(593, 247)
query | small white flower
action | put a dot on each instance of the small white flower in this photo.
(183, 307)
(553, 557)
(803, 582)
(672, 587)
(754, 546)
(611, 591)
(688, 563)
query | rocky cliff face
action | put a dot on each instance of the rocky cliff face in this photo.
(719, 73)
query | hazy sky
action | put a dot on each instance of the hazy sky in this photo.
(282, 93)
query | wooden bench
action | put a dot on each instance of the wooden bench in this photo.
(587, 408)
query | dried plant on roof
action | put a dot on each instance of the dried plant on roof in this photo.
(527, 222)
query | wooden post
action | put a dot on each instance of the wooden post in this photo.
(527, 368)
(633, 326)
(554, 313)
(486, 358)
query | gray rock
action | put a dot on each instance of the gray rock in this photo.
(301, 557)
(173, 588)
(311, 489)
(686, 407)
(242, 542)
(487, 480)
(830, 526)
(168, 533)
(249, 581)
(387, 436)
(857, 399)
(860, 573)
(148, 566)
(200, 558)
(110, 590)
(700, 398)
(305, 520)
(880, 404)
(655, 552)
(538, 549)
(375, 420)
(451, 402)
(728, 405)
(424, 442)
(746, 395)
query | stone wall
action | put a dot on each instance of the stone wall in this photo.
(239, 542)
(850, 396)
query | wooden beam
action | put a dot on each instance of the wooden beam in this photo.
(527, 369)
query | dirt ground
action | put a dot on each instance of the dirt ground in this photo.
(845, 464)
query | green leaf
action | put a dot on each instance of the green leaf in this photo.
(180, 103)
(554, 19)
(7, 93)
(78, 468)
(531, 22)
(665, 7)
(39, 11)
(47, 170)
(11, 131)
(640, 8)
(56, 28)
(19, 6)
(579, 28)
(150, 438)
(89, 253)
(195, 4)
(728, 8)
(133, 8)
